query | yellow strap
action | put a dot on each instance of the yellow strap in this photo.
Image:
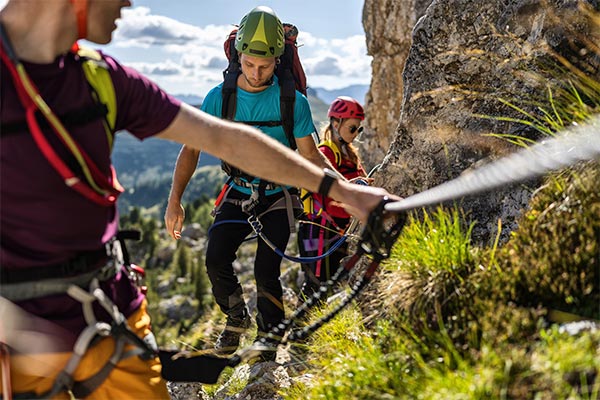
(335, 149)
(305, 196)
(99, 78)
(59, 127)
(307, 201)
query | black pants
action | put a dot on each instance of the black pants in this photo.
(226, 236)
(314, 241)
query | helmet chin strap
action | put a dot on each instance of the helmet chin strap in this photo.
(80, 8)
(337, 133)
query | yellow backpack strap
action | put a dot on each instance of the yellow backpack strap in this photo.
(307, 201)
(97, 75)
(306, 196)
(336, 151)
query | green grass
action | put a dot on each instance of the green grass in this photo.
(348, 363)
(456, 322)
(428, 266)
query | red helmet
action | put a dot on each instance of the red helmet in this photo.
(346, 107)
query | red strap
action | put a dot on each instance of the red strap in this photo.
(57, 163)
(222, 194)
(80, 7)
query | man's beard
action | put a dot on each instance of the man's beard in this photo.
(260, 84)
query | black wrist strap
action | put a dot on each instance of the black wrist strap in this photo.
(327, 182)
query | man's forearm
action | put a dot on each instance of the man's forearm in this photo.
(185, 167)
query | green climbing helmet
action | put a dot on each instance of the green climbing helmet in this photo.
(260, 34)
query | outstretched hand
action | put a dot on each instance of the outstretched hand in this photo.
(174, 217)
(363, 199)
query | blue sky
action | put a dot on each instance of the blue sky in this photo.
(179, 43)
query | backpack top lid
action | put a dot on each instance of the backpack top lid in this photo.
(260, 34)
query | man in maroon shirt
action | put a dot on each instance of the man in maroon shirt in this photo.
(55, 229)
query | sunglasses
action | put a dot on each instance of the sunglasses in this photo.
(355, 128)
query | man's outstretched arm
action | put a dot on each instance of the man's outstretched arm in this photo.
(248, 149)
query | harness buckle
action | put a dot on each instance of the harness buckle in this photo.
(249, 204)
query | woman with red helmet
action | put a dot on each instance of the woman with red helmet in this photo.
(326, 219)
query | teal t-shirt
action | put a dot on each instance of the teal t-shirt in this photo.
(263, 106)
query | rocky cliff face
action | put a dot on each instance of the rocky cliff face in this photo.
(388, 26)
(463, 57)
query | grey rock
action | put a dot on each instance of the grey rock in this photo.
(464, 57)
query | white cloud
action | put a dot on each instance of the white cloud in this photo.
(195, 56)
(140, 28)
(325, 66)
(167, 68)
(217, 62)
(335, 63)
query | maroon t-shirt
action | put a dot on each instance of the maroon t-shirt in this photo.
(44, 222)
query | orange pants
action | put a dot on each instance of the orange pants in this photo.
(132, 378)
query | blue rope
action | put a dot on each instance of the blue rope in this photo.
(257, 226)
(336, 245)
(333, 248)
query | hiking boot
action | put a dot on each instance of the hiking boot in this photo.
(229, 340)
(268, 347)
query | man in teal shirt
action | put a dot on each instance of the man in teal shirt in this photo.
(259, 43)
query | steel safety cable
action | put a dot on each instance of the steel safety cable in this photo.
(578, 143)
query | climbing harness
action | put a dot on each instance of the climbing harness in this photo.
(115, 256)
(117, 329)
(288, 202)
(314, 239)
(95, 186)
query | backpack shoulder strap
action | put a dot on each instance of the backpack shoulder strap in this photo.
(287, 102)
(230, 76)
(97, 75)
(229, 91)
(333, 147)
(287, 96)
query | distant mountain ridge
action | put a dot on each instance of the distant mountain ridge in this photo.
(359, 92)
